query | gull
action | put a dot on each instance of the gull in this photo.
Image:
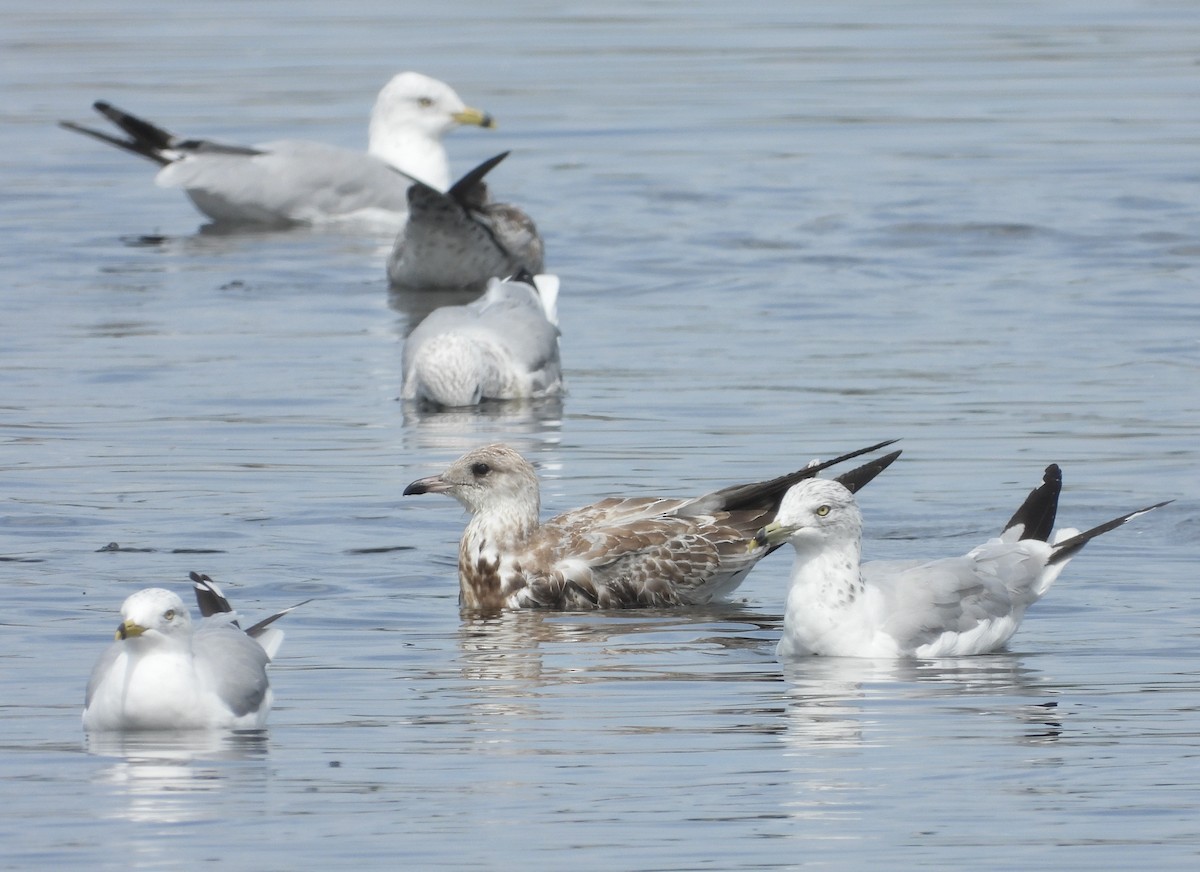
(617, 553)
(941, 608)
(162, 673)
(295, 181)
(460, 239)
(502, 346)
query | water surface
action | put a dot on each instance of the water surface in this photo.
(782, 233)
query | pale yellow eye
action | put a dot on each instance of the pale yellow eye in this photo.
(169, 614)
(822, 511)
(424, 102)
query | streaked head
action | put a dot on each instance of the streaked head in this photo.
(489, 479)
(814, 511)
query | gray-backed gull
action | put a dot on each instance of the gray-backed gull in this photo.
(164, 673)
(502, 346)
(296, 181)
(942, 608)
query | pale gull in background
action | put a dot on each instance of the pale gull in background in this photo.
(460, 239)
(617, 553)
(296, 181)
(502, 346)
(163, 673)
(942, 608)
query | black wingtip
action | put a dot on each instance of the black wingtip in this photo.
(463, 186)
(811, 471)
(145, 134)
(1040, 508)
(209, 598)
(257, 630)
(858, 478)
(1070, 547)
(770, 493)
(145, 140)
(524, 276)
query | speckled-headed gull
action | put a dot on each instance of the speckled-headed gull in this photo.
(460, 238)
(163, 673)
(294, 181)
(971, 604)
(617, 553)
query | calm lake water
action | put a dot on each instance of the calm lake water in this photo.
(783, 232)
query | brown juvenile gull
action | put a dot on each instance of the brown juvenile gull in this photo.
(941, 608)
(164, 674)
(617, 553)
(460, 239)
(296, 181)
(502, 346)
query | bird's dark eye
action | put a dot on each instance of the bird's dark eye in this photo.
(424, 102)
(822, 511)
(480, 469)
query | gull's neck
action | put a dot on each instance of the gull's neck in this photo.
(826, 589)
(489, 556)
(411, 151)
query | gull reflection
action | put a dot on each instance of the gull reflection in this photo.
(528, 425)
(830, 699)
(172, 777)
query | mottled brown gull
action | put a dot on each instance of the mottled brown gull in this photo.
(460, 238)
(941, 608)
(164, 673)
(502, 346)
(617, 553)
(296, 181)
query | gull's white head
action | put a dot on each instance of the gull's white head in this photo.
(813, 513)
(154, 613)
(412, 113)
(492, 479)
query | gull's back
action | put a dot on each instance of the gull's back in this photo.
(500, 346)
(289, 181)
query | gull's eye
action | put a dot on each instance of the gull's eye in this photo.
(822, 511)
(424, 102)
(169, 614)
(480, 469)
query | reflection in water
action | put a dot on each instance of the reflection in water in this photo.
(514, 645)
(849, 719)
(830, 696)
(170, 777)
(527, 425)
(511, 661)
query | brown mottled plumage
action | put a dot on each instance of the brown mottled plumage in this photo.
(617, 553)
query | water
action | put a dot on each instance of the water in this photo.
(783, 232)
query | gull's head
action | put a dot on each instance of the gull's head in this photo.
(814, 512)
(487, 480)
(154, 613)
(416, 102)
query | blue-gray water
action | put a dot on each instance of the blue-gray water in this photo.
(784, 230)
